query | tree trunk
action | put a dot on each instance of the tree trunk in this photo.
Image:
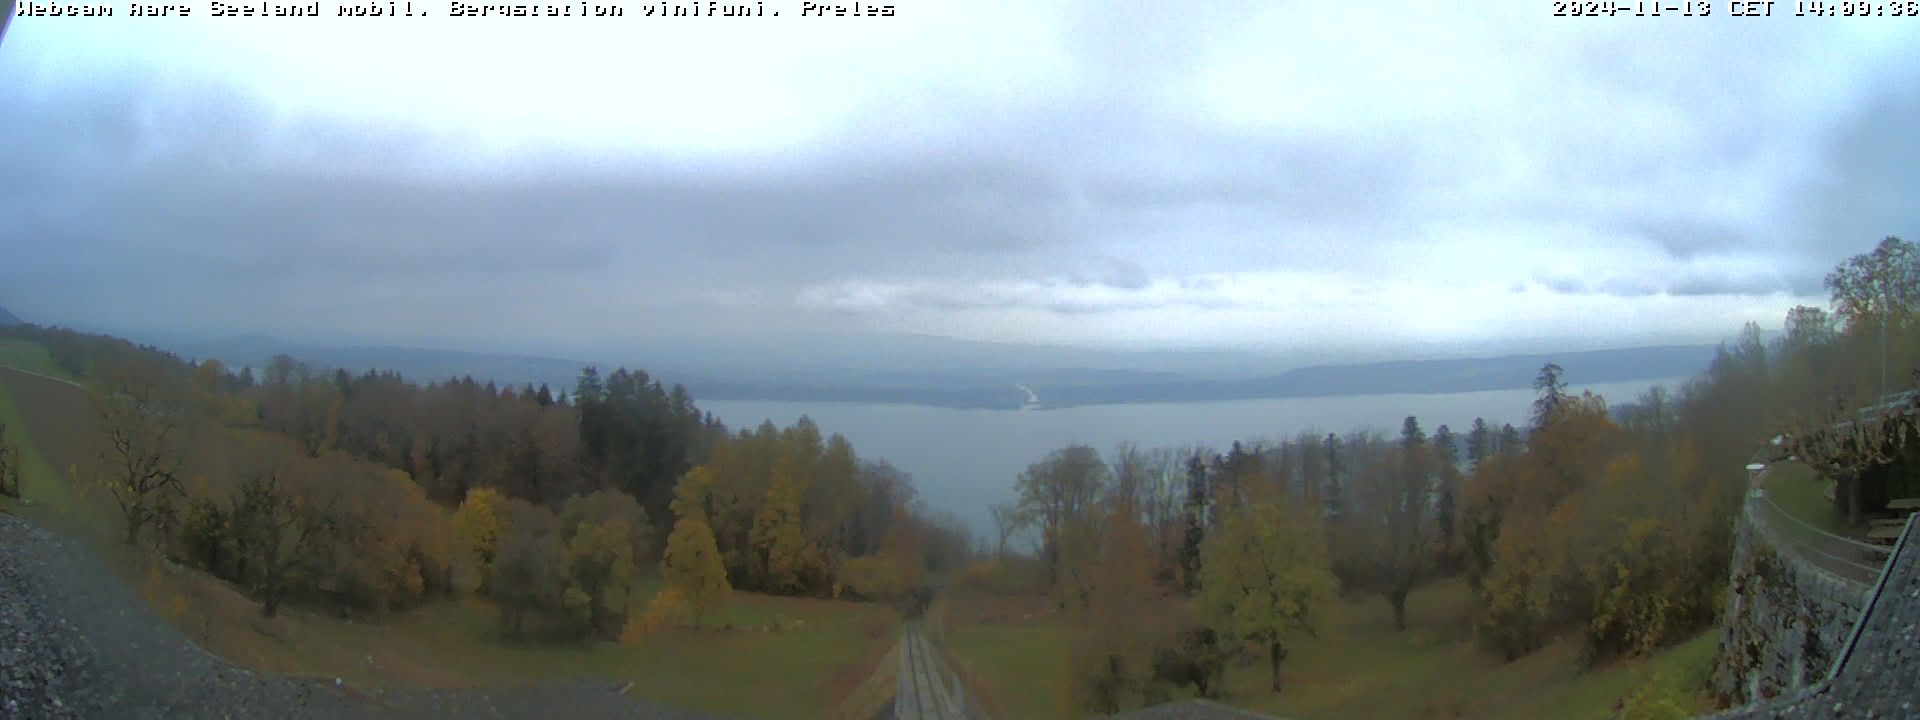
(1276, 654)
(1399, 600)
(1853, 499)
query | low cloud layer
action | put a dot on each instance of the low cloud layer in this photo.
(1257, 175)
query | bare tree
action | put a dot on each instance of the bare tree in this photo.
(145, 423)
(277, 526)
(1006, 522)
(1845, 445)
(1058, 492)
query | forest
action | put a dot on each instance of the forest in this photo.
(368, 494)
(1609, 522)
(365, 494)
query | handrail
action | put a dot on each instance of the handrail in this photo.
(1874, 549)
(1774, 536)
(1873, 600)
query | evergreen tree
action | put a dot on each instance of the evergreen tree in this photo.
(1479, 443)
(1447, 501)
(1336, 497)
(1196, 532)
(1553, 394)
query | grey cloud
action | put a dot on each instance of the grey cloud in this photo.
(1867, 187)
(1685, 238)
(197, 204)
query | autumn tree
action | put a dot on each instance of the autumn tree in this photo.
(1808, 326)
(145, 421)
(529, 567)
(384, 544)
(1388, 545)
(476, 526)
(1264, 577)
(1881, 287)
(278, 518)
(1123, 620)
(1057, 492)
(691, 564)
(1446, 502)
(777, 539)
(605, 535)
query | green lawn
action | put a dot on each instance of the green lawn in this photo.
(51, 499)
(1797, 489)
(1361, 667)
(1020, 659)
(735, 666)
(31, 357)
(1358, 667)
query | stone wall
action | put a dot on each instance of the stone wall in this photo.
(1786, 621)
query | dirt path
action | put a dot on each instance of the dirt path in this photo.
(76, 642)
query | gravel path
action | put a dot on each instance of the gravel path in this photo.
(77, 642)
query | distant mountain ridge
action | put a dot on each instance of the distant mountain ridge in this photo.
(424, 365)
(7, 318)
(959, 384)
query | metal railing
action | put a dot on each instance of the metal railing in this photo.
(1849, 559)
(1873, 600)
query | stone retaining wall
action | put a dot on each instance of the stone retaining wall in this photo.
(1786, 618)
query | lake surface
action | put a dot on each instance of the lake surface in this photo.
(964, 460)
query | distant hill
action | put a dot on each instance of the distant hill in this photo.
(1415, 377)
(7, 318)
(1404, 377)
(988, 377)
(419, 364)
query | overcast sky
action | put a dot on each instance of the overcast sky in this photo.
(1193, 174)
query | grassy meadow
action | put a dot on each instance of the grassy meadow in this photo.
(1357, 667)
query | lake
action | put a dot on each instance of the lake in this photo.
(964, 460)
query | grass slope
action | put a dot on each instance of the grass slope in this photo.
(820, 659)
(1800, 491)
(31, 357)
(46, 438)
(1357, 667)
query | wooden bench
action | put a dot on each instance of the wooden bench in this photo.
(1885, 535)
(1904, 505)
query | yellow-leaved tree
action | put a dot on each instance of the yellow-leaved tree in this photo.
(777, 536)
(1264, 577)
(477, 527)
(692, 565)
